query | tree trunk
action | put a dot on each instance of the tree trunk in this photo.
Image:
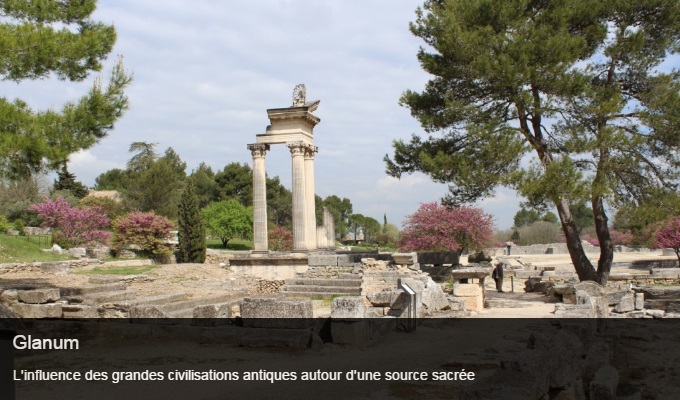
(224, 242)
(604, 264)
(584, 268)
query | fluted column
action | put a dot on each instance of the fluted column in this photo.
(310, 203)
(259, 197)
(329, 223)
(297, 151)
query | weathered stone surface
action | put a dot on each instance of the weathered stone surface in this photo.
(39, 296)
(530, 283)
(466, 289)
(615, 296)
(573, 391)
(592, 293)
(273, 312)
(348, 307)
(599, 354)
(147, 312)
(381, 299)
(323, 259)
(626, 304)
(569, 298)
(665, 272)
(456, 304)
(9, 296)
(543, 286)
(433, 297)
(222, 310)
(604, 384)
(655, 313)
(563, 289)
(639, 301)
(77, 251)
(574, 311)
(79, 311)
(405, 258)
(439, 257)
(37, 310)
(660, 292)
(374, 312)
(344, 260)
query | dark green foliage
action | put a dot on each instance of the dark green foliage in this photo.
(572, 85)
(340, 209)
(192, 244)
(203, 179)
(39, 38)
(67, 181)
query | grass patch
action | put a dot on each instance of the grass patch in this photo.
(27, 249)
(233, 244)
(123, 270)
(329, 299)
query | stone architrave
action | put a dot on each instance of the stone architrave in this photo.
(260, 242)
(310, 206)
(297, 151)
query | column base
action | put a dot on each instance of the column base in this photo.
(259, 251)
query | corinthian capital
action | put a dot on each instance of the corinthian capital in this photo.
(258, 149)
(297, 148)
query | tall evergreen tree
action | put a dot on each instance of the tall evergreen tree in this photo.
(191, 229)
(575, 85)
(38, 38)
(67, 181)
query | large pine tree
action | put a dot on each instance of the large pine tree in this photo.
(191, 228)
(40, 38)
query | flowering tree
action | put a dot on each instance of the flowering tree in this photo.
(280, 239)
(73, 226)
(436, 227)
(146, 230)
(668, 236)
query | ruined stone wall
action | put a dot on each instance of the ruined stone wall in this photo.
(319, 271)
(47, 267)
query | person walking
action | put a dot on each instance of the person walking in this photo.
(508, 245)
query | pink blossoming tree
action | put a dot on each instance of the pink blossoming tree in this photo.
(668, 236)
(73, 226)
(280, 239)
(435, 227)
(618, 238)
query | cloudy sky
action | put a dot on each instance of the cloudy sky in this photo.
(205, 72)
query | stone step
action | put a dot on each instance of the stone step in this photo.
(109, 297)
(188, 312)
(314, 289)
(347, 275)
(324, 282)
(160, 299)
(84, 290)
(190, 304)
(313, 295)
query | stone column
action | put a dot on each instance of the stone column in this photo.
(297, 151)
(329, 223)
(310, 203)
(259, 197)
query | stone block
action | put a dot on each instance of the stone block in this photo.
(456, 303)
(639, 301)
(53, 310)
(39, 296)
(9, 296)
(599, 354)
(474, 303)
(439, 257)
(381, 299)
(466, 290)
(569, 298)
(211, 311)
(626, 304)
(78, 252)
(348, 307)
(405, 258)
(604, 384)
(543, 286)
(273, 312)
(140, 312)
(574, 311)
(665, 272)
(323, 260)
(433, 297)
(655, 313)
(344, 260)
(614, 297)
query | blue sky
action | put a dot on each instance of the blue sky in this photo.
(206, 71)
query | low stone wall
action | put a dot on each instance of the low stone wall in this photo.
(47, 267)
(561, 248)
(317, 271)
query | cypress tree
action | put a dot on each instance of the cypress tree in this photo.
(191, 228)
(67, 181)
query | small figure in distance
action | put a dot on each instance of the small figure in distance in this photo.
(497, 276)
(508, 245)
